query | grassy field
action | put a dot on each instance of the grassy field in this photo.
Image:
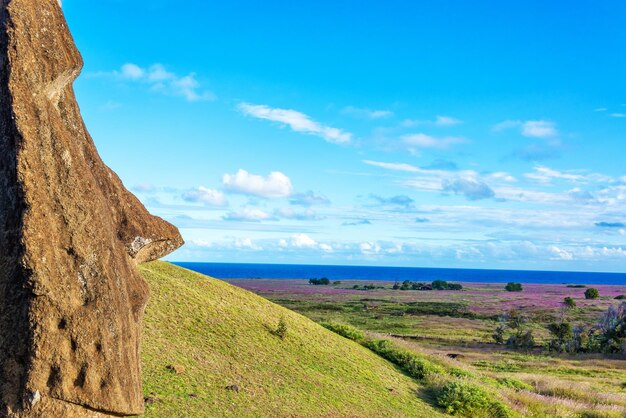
(211, 349)
(453, 329)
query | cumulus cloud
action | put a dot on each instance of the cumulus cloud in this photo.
(309, 199)
(470, 187)
(163, 81)
(426, 141)
(303, 241)
(207, 196)
(529, 128)
(248, 215)
(297, 121)
(274, 185)
(367, 113)
(561, 253)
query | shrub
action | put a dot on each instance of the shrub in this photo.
(509, 382)
(396, 286)
(513, 287)
(281, 329)
(413, 364)
(576, 286)
(439, 285)
(592, 293)
(346, 331)
(612, 330)
(458, 372)
(562, 334)
(498, 334)
(319, 282)
(336, 283)
(524, 340)
(569, 302)
(468, 400)
(620, 297)
(455, 286)
(520, 336)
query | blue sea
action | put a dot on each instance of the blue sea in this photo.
(298, 271)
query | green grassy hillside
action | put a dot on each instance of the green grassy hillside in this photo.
(222, 336)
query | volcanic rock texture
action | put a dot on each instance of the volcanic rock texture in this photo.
(71, 298)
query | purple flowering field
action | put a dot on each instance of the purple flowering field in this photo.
(483, 298)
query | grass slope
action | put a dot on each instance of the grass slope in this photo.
(222, 336)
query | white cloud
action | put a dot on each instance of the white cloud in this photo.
(561, 253)
(246, 243)
(441, 121)
(618, 115)
(446, 121)
(529, 128)
(502, 175)
(367, 113)
(248, 214)
(426, 141)
(290, 213)
(309, 198)
(370, 247)
(274, 185)
(165, 82)
(207, 196)
(303, 241)
(600, 109)
(539, 129)
(395, 166)
(469, 186)
(297, 121)
(545, 175)
(132, 72)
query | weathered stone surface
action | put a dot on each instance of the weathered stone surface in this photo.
(71, 299)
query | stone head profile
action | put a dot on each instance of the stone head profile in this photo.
(71, 235)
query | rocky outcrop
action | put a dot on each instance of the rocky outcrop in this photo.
(71, 298)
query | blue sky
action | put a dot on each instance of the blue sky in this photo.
(446, 134)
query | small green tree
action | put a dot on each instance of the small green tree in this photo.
(439, 285)
(569, 302)
(519, 334)
(281, 328)
(592, 293)
(513, 287)
(562, 335)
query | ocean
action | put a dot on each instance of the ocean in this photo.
(416, 274)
